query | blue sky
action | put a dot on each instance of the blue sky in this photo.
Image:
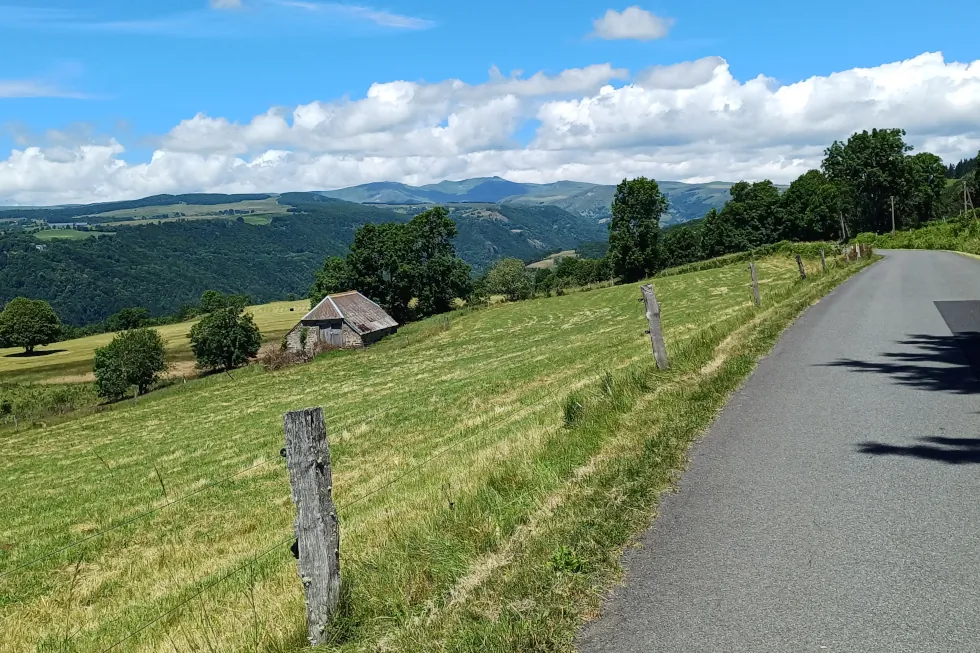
(131, 70)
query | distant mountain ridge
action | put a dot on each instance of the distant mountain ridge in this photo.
(687, 201)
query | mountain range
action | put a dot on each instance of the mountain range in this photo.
(687, 201)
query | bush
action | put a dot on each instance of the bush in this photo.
(277, 358)
(510, 277)
(133, 358)
(225, 339)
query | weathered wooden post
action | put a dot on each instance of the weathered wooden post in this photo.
(656, 330)
(317, 529)
(799, 264)
(755, 285)
(823, 261)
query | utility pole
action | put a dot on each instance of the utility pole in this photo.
(893, 214)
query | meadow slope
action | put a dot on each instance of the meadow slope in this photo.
(488, 467)
(71, 360)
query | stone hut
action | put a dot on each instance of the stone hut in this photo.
(346, 320)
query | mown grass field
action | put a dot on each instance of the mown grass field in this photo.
(68, 234)
(71, 361)
(270, 205)
(489, 466)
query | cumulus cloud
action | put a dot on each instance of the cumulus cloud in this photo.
(632, 23)
(692, 121)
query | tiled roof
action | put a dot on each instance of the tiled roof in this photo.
(363, 315)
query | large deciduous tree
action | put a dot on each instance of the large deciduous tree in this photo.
(225, 339)
(870, 169)
(332, 278)
(394, 264)
(134, 358)
(28, 323)
(510, 277)
(634, 230)
(811, 209)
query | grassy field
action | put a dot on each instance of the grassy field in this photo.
(549, 262)
(68, 234)
(252, 218)
(489, 466)
(270, 206)
(960, 234)
(71, 361)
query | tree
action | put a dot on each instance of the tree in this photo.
(870, 169)
(680, 245)
(134, 358)
(331, 278)
(509, 277)
(211, 301)
(634, 229)
(225, 339)
(128, 318)
(394, 264)
(810, 209)
(28, 323)
(925, 183)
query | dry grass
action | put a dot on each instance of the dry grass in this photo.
(484, 393)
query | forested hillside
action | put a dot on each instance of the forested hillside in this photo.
(164, 266)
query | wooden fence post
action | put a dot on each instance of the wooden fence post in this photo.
(755, 285)
(799, 264)
(317, 529)
(823, 261)
(656, 330)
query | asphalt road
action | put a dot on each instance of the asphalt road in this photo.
(835, 503)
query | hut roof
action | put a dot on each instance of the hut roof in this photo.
(363, 315)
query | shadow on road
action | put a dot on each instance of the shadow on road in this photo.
(953, 451)
(928, 362)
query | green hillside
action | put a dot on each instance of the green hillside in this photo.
(164, 264)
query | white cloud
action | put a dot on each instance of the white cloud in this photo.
(632, 23)
(378, 17)
(28, 88)
(226, 4)
(692, 121)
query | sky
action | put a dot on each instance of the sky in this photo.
(119, 99)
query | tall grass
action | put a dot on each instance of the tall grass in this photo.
(960, 234)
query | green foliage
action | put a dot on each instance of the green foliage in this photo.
(805, 250)
(395, 263)
(635, 228)
(511, 278)
(128, 318)
(332, 278)
(564, 560)
(304, 336)
(133, 358)
(594, 249)
(28, 323)
(961, 234)
(225, 339)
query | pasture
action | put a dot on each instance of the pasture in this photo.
(68, 234)
(141, 214)
(71, 361)
(489, 466)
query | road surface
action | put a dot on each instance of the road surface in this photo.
(835, 503)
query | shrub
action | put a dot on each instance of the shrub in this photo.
(278, 358)
(225, 339)
(133, 358)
